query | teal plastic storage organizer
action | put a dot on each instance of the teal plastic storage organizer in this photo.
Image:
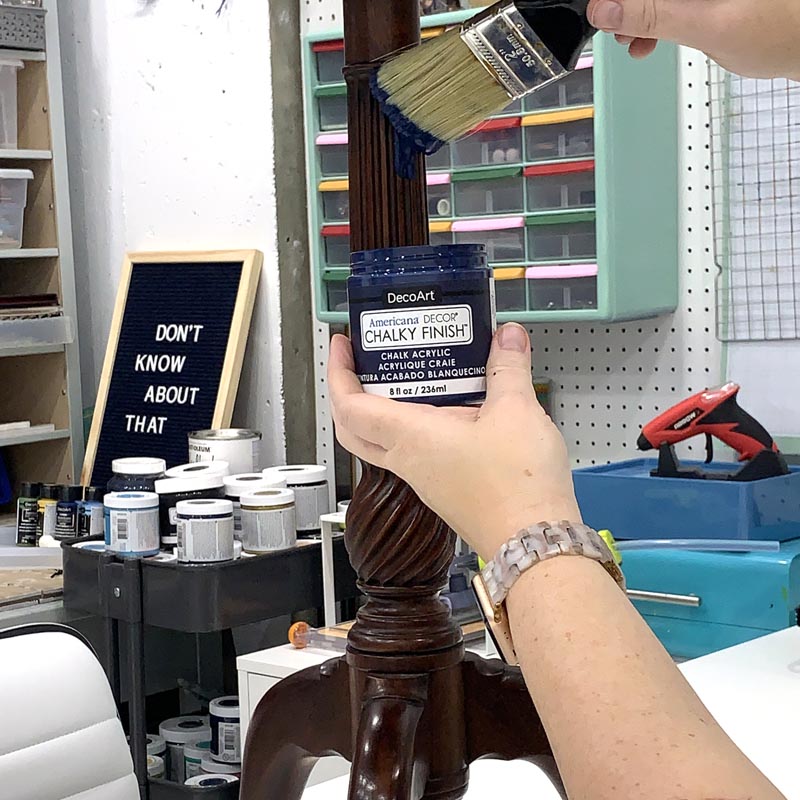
(624, 498)
(573, 190)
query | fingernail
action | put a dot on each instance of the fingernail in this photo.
(607, 15)
(513, 337)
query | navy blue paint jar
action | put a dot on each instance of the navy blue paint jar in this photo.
(422, 321)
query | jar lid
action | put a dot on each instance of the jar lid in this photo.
(211, 767)
(199, 468)
(70, 494)
(198, 483)
(196, 749)
(215, 778)
(237, 485)
(224, 706)
(204, 507)
(138, 466)
(93, 494)
(438, 256)
(225, 434)
(185, 729)
(297, 475)
(131, 501)
(28, 489)
(49, 491)
(268, 498)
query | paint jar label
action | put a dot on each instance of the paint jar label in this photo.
(132, 532)
(311, 502)
(265, 530)
(27, 521)
(66, 520)
(205, 540)
(427, 342)
(225, 742)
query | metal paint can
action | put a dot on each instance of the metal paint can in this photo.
(241, 448)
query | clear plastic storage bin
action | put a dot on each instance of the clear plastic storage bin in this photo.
(13, 199)
(489, 147)
(337, 295)
(440, 238)
(333, 160)
(572, 190)
(439, 160)
(577, 89)
(335, 206)
(337, 251)
(332, 112)
(330, 64)
(510, 289)
(552, 295)
(560, 140)
(560, 241)
(503, 247)
(439, 202)
(9, 68)
(492, 196)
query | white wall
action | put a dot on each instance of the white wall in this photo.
(169, 133)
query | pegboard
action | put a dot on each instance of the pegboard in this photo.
(609, 380)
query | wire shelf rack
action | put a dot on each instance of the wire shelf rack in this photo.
(755, 140)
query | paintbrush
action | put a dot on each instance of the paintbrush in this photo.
(442, 89)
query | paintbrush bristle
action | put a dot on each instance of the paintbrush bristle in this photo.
(441, 87)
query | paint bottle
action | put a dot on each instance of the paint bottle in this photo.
(238, 485)
(177, 732)
(172, 491)
(137, 474)
(131, 523)
(67, 512)
(205, 531)
(226, 743)
(155, 767)
(312, 498)
(48, 499)
(269, 520)
(91, 521)
(422, 322)
(193, 756)
(28, 514)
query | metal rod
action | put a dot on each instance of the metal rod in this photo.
(665, 597)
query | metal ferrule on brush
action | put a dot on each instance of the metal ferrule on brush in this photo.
(510, 50)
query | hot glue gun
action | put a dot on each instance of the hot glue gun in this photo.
(713, 413)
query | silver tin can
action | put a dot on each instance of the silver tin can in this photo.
(240, 447)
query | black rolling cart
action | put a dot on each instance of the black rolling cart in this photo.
(191, 599)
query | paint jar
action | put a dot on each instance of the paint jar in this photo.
(156, 746)
(226, 729)
(46, 524)
(239, 447)
(199, 469)
(172, 491)
(311, 494)
(211, 781)
(342, 506)
(67, 511)
(422, 321)
(177, 732)
(131, 523)
(269, 520)
(155, 767)
(212, 767)
(28, 514)
(193, 753)
(135, 474)
(246, 483)
(205, 531)
(91, 519)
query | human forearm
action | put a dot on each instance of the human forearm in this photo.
(635, 729)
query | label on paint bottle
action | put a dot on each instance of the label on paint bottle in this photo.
(27, 521)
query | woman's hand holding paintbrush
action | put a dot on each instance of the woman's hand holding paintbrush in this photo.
(441, 90)
(754, 39)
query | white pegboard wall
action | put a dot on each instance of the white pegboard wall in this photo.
(609, 380)
(320, 16)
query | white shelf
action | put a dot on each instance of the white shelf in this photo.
(29, 252)
(7, 440)
(32, 336)
(24, 55)
(30, 155)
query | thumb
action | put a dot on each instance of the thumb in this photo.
(509, 367)
(683, 21)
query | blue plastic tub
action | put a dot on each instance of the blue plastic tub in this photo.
(625, 499)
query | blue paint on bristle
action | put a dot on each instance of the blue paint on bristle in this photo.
(409, 139)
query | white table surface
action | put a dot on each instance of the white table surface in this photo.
(753, 690)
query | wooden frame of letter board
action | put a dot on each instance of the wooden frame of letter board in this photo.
(251, 261)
